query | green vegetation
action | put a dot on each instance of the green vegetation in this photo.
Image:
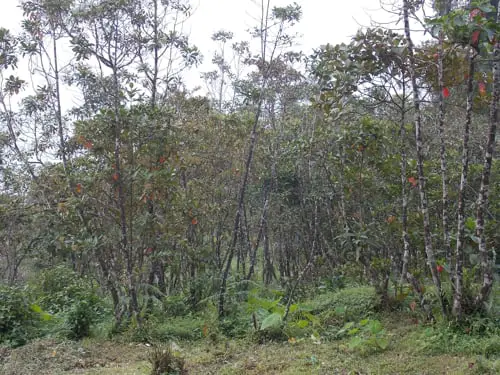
(387, 343)
(336, 212)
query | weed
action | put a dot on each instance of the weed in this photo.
(165, 362)
(367, 336)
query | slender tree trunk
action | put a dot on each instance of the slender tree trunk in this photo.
(124, 243)
(486, 255)
(265, 18)
(442, 149)
(431, 261)
(458, 278)
(253, 255)
(404, 189)
(9, 121)
(239, 210)
(156, 60)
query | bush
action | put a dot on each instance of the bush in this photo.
(18, 318)
(72, 299)
(176, 306)
(166, 362)
(367, 336)
(348, 304)
(457, 339)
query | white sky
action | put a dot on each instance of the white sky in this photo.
(324, 21)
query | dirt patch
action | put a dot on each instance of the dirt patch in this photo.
(51, 357)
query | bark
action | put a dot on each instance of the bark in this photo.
(458, 277)
(302, 273)
(431, 261)
(264, 29)
(253, 255)
(10, 122)
(442, 149)
(239, 210)
(487, 255)
(404, 190)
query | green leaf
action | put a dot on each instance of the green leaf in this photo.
(353, 331)
(364, 322)
(382, 342)
(375, 326)
(355, 342)
(302, 323)
(311, 317)
(293, 308)
(340, 310)
(36, 308)
(272, 321)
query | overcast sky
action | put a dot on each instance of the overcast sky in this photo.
(324, 21)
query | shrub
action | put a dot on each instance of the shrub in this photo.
(348, 304)
(176, 306)
(166, 362)
(18, 318)
(72, 299)
(366, 336)
(357, 302)
(188, 328)
(455, 339)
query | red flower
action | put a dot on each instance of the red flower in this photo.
(412, 181)
(78, 188)
(446, 92)
(440, 268)
(482, 88)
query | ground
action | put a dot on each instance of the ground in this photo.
(98, 357)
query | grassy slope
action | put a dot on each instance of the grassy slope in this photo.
(237, 357)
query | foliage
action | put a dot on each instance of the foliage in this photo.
(351, 303)
(297, 177)
(163, 330)
(176, 306)
(72, 299)
(479, 336)
(366, 336)
(165, 362)
(19, 318)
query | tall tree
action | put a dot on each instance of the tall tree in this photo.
(275, 19)
(431, 260)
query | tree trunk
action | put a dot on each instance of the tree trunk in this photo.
(431, 261)
(486, 255)
(458, 278)
(442, 149)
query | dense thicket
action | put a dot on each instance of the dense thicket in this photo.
(370, 161)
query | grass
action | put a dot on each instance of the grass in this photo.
(232, 357)
(373, 343)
